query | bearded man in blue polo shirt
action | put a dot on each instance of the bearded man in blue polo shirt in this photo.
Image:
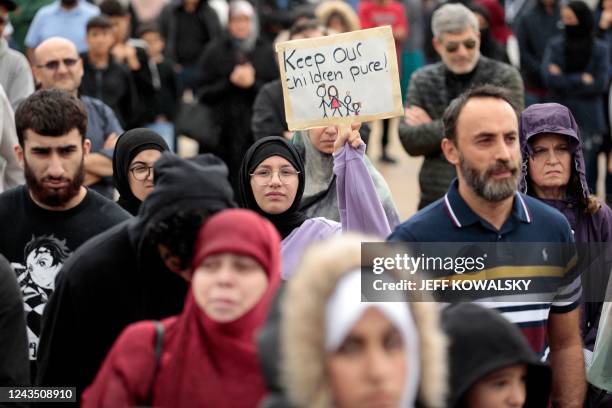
(483, 205)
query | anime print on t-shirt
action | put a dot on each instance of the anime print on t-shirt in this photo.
(43, 258)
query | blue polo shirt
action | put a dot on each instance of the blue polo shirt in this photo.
(450, 219)
(54, 21)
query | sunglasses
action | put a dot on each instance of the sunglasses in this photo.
(454, 46)
(54, 64)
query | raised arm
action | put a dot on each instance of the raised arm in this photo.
(358, 202)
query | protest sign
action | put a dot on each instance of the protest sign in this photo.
(338, 79)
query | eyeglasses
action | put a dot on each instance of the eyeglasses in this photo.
(141, 173)
(53, 65)
(264, 176)
(453, 46)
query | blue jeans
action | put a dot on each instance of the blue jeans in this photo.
(166, 131)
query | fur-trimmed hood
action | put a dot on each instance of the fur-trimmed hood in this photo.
(327, 8)
(303, 327)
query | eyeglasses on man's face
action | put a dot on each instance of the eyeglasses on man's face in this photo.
(263, 176)
(53, 65)
(453, 46)
(140, 172)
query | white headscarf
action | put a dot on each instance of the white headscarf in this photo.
(244, 8)
(344, 308)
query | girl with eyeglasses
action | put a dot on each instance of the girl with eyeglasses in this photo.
(272, 183)
(135, 153)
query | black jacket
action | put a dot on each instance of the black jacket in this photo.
(114, 86)
(14, 360)
(233, 105)
(269, 111)
(118, 277)
(168, 25)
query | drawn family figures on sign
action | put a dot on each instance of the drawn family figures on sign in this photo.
(330, 80)
(339, 108)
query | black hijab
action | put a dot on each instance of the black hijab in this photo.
(258, 152)
(131, 143)
(579, 39)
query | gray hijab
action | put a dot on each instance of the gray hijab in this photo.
(320, 198)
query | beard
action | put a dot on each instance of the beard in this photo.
(483, 184)
(54, 197)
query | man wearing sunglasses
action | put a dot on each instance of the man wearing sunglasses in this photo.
(57, 66)
(15, 75)
(457, 41)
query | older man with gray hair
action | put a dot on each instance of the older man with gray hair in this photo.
(433, 87)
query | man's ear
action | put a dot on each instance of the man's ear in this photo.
(451, 153)
(86, 146)
(437, 45)
(19, 154)
(172, 262)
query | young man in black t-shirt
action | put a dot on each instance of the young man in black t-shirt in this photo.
(44, 221)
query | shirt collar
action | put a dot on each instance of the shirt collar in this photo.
(461, 215)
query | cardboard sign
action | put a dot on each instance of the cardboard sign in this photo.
(338, 79)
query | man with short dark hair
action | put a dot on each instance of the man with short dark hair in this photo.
(131, 272)
(483, 205)
(57, 65)
(457, 41)
(53, 214)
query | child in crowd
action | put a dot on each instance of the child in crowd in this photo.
(103, 77)
(491, 363)
(165, 82)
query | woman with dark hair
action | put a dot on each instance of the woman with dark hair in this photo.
(575, 71)
(206, 356)
(554, 172)
(135, 153)
(273, 180)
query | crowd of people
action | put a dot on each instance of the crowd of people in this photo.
(234, 278)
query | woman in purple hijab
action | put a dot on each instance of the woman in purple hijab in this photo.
(554, 172)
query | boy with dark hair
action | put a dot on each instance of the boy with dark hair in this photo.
(163, 107)
(53, 210)
(131, 53)
(103, 77)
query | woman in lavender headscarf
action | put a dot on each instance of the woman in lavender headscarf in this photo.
(554, 172)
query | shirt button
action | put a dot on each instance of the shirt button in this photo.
(499, 237)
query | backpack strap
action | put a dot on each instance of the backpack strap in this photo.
(159, 346)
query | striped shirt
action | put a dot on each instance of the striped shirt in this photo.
(557, 287)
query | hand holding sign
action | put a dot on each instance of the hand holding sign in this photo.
(348, 135)
(340, 78)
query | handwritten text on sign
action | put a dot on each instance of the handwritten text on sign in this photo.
(341, 76)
